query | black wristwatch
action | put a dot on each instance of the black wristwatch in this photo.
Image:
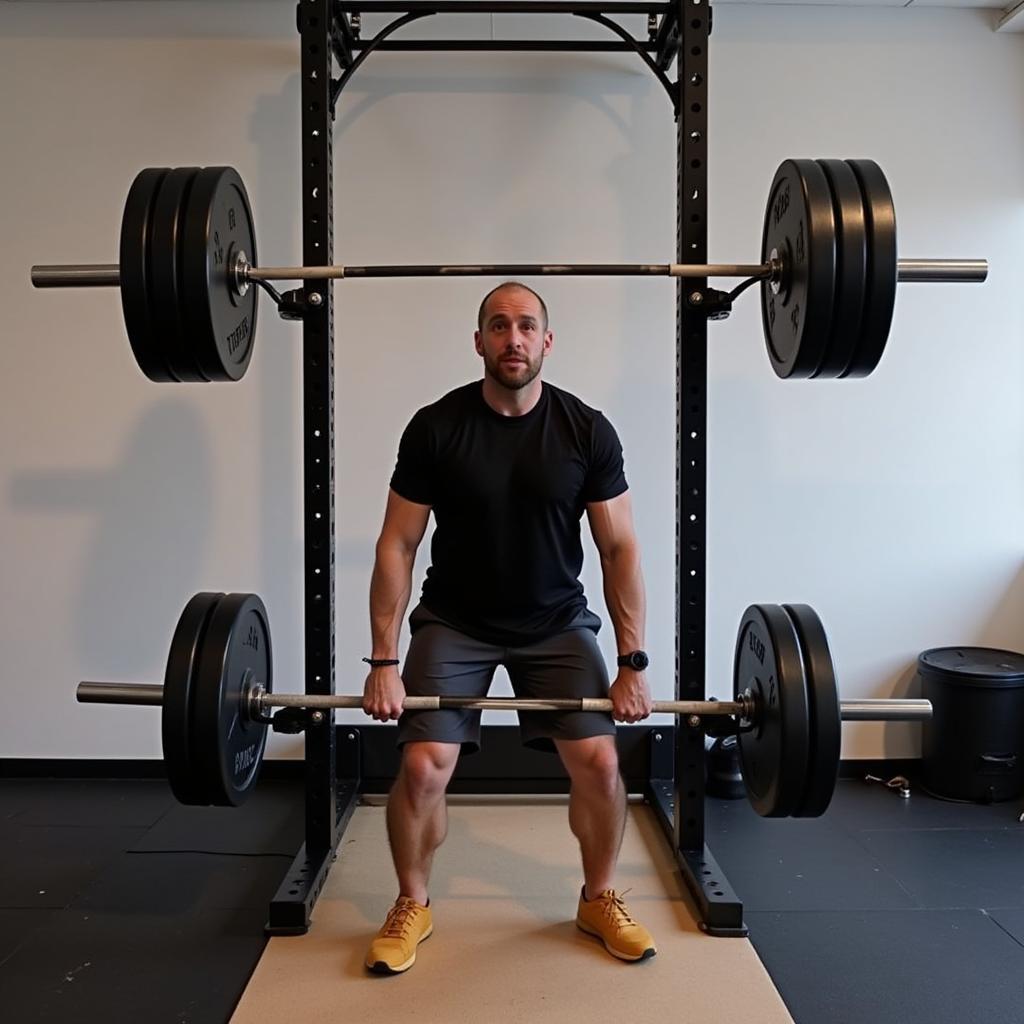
(636, 660)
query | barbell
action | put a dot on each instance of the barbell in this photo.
(217, 696)
(828, 271)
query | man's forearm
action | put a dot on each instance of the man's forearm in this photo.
(625, 597)
(390, 587)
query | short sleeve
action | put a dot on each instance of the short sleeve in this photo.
(606, 477)
(413, 478)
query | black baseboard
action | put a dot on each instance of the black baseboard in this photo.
(503, 764)
(116, 768)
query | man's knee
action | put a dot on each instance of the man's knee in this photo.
(593, 762)
(427, 767)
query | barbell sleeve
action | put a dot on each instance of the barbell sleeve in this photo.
(148, 694)
(77, 275)
(885, 709)
(863, 710)
(108, 275)
(944, 271)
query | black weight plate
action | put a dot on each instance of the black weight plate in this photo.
(851, 267)
(165, 262)
(218, 226)
(826, 724)
(136, 284)
(880, 294)
(774, 752)
(235, 655)
(799, 227)
(179, 740)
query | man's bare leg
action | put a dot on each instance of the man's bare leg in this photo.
(417, 814)
(597, 806)
(597, 816)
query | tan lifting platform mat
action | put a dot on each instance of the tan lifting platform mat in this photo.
(505, 948)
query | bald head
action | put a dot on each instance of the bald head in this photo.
(509, 286)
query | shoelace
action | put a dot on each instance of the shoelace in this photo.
(614, 908)
(398, 919)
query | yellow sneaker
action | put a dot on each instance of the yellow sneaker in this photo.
(608, 919)
(393, 949)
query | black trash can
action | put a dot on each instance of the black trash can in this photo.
(973, 745)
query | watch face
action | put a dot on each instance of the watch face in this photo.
(638, 660)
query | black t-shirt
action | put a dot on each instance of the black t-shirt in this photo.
(508, 494)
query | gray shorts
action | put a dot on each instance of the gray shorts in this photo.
(441, 661)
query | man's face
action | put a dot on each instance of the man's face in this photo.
(513, 341)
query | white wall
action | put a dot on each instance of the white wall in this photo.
(891, 504)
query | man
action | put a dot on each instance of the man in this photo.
(508, 466)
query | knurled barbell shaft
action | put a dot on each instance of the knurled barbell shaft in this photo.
(153, 694)
(325, 702)
(514, 270)
(108, 275)
(875, 709)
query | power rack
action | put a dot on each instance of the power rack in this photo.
(339, 759)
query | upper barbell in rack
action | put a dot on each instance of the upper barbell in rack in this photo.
(828, 271)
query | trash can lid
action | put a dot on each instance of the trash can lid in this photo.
(976, 666)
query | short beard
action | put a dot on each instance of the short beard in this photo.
(497, 373)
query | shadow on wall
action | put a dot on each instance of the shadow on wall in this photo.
(149, 544)
(275, 187)
(278, 167)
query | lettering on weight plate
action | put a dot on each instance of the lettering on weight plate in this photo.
(757, 646)
(252, 639)
(795, 319)
(238, 336)
(231, 217)
(245, 759)
(781, 205)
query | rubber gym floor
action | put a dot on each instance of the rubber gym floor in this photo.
(118, 904)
